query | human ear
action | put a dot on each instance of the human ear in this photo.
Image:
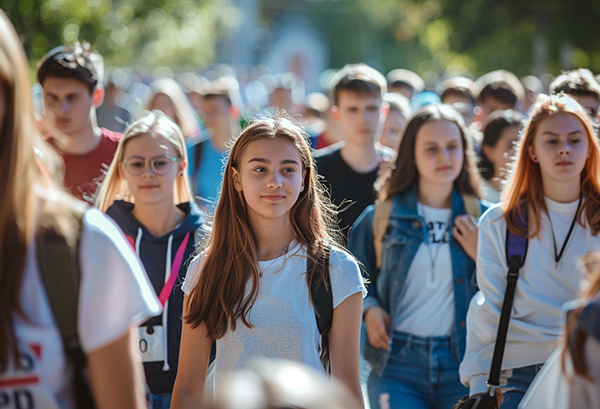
(237, 183)
(488, 152)
(303, 177)
(121, 171)
(182, 166)
(98, 96)
(532, 154)
(335, 112)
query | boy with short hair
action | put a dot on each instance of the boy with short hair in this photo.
(221, 118)
(350, 167)
(582, 86)
(497, 90)
(71, 80)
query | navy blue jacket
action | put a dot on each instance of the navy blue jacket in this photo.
(153, 254)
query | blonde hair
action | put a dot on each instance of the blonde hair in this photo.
(185, 115)
(157, 125)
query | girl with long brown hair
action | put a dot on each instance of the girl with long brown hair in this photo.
(555, 186)
(35, 368)
(417, 303)
(249, 287)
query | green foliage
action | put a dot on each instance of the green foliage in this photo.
(142, 33)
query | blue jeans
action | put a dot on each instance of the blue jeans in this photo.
(159, 401)
(514, 384)
(421, 373)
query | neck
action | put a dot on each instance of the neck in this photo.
(562, 192)
(272, 239)
(437, 196)
(496, 182)
(85, 141)
(158, 219)
(361, 158)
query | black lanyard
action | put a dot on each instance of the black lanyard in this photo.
(558, 256)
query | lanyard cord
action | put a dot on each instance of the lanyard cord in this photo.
(558, 256)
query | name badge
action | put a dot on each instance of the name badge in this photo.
(151, 343)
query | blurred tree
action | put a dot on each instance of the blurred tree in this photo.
(136, 33)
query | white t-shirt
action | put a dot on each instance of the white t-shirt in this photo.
(427, 303)
(284, 320)
(114, 295)
(534, 329)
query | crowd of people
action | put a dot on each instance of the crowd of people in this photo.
(362, 232)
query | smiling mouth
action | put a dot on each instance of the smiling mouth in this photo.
(444, 168)
(273, 197)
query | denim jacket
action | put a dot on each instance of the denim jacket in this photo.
(404, 234)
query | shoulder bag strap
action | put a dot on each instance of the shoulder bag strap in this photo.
(59, 269)
(471, 204)
(516, 251)
(381, 219)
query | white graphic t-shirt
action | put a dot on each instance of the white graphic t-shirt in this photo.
(426, 306)
(114, 295)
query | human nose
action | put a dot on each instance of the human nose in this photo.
(64, 105)
(274, 181)
(565, 149)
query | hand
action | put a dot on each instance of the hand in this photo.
(465, 231)
(377, 321)
(499, 396)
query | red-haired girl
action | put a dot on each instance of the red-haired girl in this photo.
(248, 290)
(556, 182)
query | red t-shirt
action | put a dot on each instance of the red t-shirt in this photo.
(83, 173)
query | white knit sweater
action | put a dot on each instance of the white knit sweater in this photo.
(534, 328)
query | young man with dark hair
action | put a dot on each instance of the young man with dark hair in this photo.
(497, 90)
(71, 80)
(582, 86)
(221, 118)
(350, 167)
(458, 92)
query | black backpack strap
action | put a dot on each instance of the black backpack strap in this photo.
(59, 269)
(198, 156)
(516, 251)
(322, 298)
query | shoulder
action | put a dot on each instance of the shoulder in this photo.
(342, 257)
(193, 273)
(346, 278)
(493, 215)
(327, 152)
(111, 136)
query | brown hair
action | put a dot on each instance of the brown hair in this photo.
(22, 209)
(525, 184)
(359, 79)
(230, 254)
(405, 174)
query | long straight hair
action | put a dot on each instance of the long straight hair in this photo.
(525, 184)
(230, 257)
(22, 209)
(405, 174)
(157, 125)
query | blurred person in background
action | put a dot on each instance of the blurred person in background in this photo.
(458, 92)
(147, 193)
(398, 112)
(112, 114)
(279, 384)
(316, 106)
(206, 158)
(168, 97)
(498, 148)
(37, 369)
(581, 85)
(496, 90)
(281, 91)
(71, 81)
(405, 82)
(532, 87)
(351, 167)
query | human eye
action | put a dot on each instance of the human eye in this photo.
(289, 170)
(260, 169)
(161, 164)
(551, 142)
(136, 164)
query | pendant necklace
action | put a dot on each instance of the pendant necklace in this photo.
(432, 257)
(558, 255)
(285, 250)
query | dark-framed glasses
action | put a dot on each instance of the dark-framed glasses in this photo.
(161, 165)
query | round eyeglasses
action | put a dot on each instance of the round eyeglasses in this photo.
(161, 165)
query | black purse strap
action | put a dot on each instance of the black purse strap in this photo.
(516, 250)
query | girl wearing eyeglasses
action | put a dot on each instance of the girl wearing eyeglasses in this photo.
(147, 192)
